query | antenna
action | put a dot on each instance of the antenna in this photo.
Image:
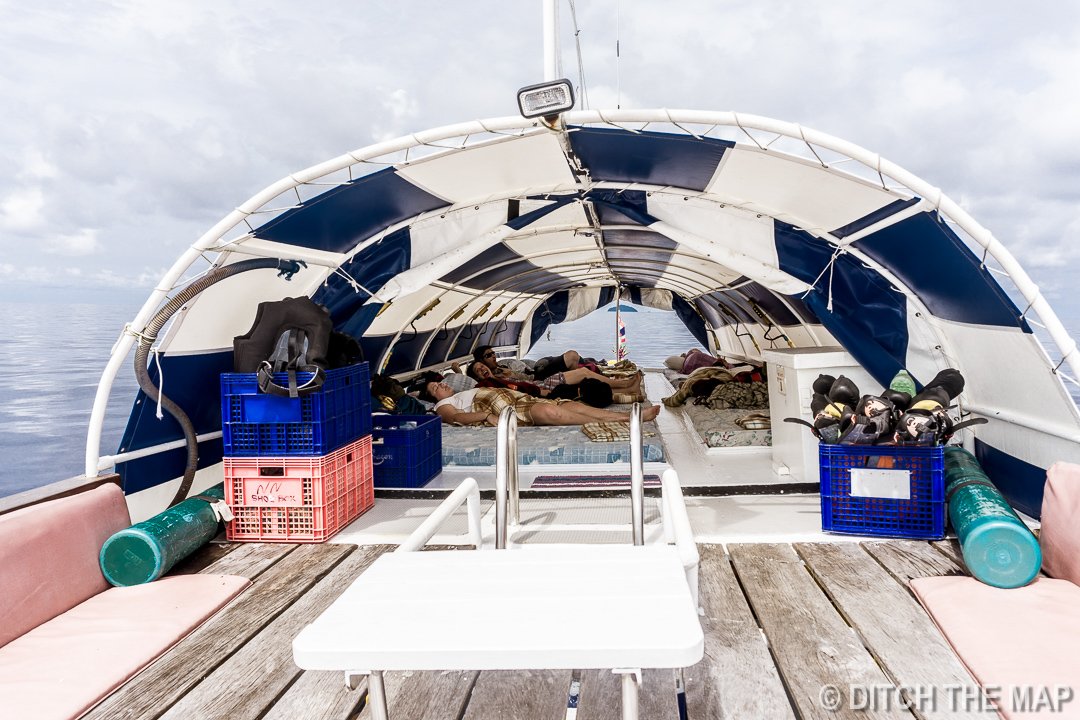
(582, 91)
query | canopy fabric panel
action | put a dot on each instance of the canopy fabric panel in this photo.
(339, 219)
(751, 247)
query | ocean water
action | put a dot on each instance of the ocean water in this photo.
(52, 357)
(651, 337)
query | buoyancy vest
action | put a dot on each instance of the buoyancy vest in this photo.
(288, 336)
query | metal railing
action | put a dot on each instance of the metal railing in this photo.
(507, 495)
(468, 492)
(507, 487)
(637, 476)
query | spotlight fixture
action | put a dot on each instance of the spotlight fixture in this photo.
(547, 99)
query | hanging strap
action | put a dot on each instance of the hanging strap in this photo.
(161, 382)
(290, 356)
(800, 421)
(220, 507)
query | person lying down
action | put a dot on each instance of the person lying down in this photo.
(482, 374)
(483, 405)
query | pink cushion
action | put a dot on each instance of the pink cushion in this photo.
(63, 667)
(1059, 538)
(1010, 638)
(49, 556)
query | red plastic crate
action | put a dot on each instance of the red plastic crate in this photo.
(298, 499)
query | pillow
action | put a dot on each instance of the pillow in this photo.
(675, 363)
(517, 366)
(1059, 538)
(459, 382)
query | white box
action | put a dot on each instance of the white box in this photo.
(792, 373)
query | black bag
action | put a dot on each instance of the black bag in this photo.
(344, 350)
(288, 336)
(386, 386)
(590, 391)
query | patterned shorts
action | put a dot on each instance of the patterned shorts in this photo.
(551, 382)
(494, 400)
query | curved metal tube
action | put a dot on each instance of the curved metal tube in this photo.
(467, 492)
(149, 335)
(637, 476)
(507, 502)
(873, 161)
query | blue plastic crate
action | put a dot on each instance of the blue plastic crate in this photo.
(406, 457)
(257, 424)
(922, 516)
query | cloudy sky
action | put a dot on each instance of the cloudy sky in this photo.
(129, 128)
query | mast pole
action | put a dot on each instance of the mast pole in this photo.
(551, 40)
(618, 312)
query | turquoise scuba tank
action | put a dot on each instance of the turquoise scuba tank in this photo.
(146, 551)
(998, 547)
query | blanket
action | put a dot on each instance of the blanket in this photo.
(618, 431)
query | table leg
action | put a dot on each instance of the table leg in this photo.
(377, 696)
(630, 694)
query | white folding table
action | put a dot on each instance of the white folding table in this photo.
(540, 607)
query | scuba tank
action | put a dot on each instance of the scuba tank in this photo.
(998, 548)
(144, 552)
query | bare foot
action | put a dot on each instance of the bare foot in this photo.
(650, 413)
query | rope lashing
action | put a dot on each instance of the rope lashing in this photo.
(357, 287)
(840, 250)
(160, 381)
(142, 337)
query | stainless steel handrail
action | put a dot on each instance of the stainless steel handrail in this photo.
(507, 496)
(637, 476)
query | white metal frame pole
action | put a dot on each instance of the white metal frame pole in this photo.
(618, 319)
(637, 475)
(1030, 291)
(551, 40)
(506, 477)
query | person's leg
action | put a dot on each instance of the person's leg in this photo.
(578, 414)
(647, 413)
(563, 414)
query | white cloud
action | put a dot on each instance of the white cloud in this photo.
(35, 165)
(21, 210)
(401, 108)
(84, 242)
(150, 122)
(37, 275)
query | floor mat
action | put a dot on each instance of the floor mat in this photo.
(589, 481)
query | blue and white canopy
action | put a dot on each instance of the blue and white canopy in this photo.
(427, 246)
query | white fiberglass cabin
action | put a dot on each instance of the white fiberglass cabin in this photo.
(755, 233)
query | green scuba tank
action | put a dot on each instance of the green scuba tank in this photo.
(903, 382)
(998, 547)
(146, 551)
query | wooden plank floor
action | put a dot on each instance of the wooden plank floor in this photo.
(781, 622)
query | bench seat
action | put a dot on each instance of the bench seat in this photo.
(1021, 638)
(1024, 640)
(66, 665)
(67, 638)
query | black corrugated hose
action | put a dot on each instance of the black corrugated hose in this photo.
(149, 335)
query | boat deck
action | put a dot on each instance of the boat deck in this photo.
(781, 620)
